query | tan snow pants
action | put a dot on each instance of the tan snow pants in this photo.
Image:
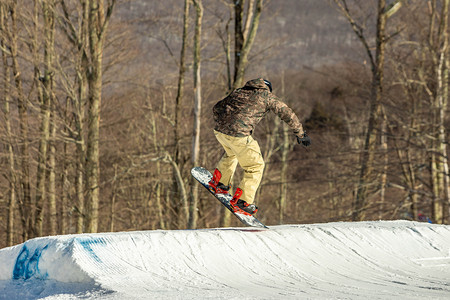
(246, 152)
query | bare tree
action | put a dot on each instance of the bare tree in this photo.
(77, 95)
(48, 8)
(26, 204)
(193, 207)
(285, 141)
(87, 33)
(7, 121)
(373, 127)
(99, 17)
(440, 170)
(45, 95)
(181, 79)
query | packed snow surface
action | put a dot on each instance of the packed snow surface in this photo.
(364, 260)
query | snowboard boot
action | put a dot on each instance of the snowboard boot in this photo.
(216, 186)
(248, 208)
(239, 204)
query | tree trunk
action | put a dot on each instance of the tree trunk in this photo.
(238, 36)
(193, 207)
(80, 177)
(65, 183)
(180, 184)
(177, 160)
(385, 159)
(158, 186)
(46, 92)
(365, 177)
(113, 201)
(9, 148)
(79, 39)
(98, 23)
(43, 129)
(180, 90)
(63, 215)
(243, 44)
(227, 48)
(438, 155)
(436, 209)
(92, 152)
(283, 178)
(79, 168)
(22, 103)
(442, 100)
(49, 21)
(284, 162)
(53, 220)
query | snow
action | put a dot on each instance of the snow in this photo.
(361, 260)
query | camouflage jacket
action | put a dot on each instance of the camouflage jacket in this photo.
(239, 113)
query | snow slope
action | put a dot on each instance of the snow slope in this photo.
(370, 260)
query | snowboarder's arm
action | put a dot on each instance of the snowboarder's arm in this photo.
(286, 114)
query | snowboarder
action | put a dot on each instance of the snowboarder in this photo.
(236, 116)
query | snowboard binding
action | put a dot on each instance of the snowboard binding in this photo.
(241, 205)
(216, 186)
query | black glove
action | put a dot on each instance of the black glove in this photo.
(304, 140)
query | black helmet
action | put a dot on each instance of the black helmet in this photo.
(267, 82)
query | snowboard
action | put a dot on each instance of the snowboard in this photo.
(204, 177)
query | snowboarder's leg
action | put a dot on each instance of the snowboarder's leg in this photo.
(228, 163)
(252, 162)
(246, 151)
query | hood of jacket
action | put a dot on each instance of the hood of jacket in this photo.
(257, 83)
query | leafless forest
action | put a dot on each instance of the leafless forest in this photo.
(106, 105)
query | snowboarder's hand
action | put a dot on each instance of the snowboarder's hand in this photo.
(304, 140)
